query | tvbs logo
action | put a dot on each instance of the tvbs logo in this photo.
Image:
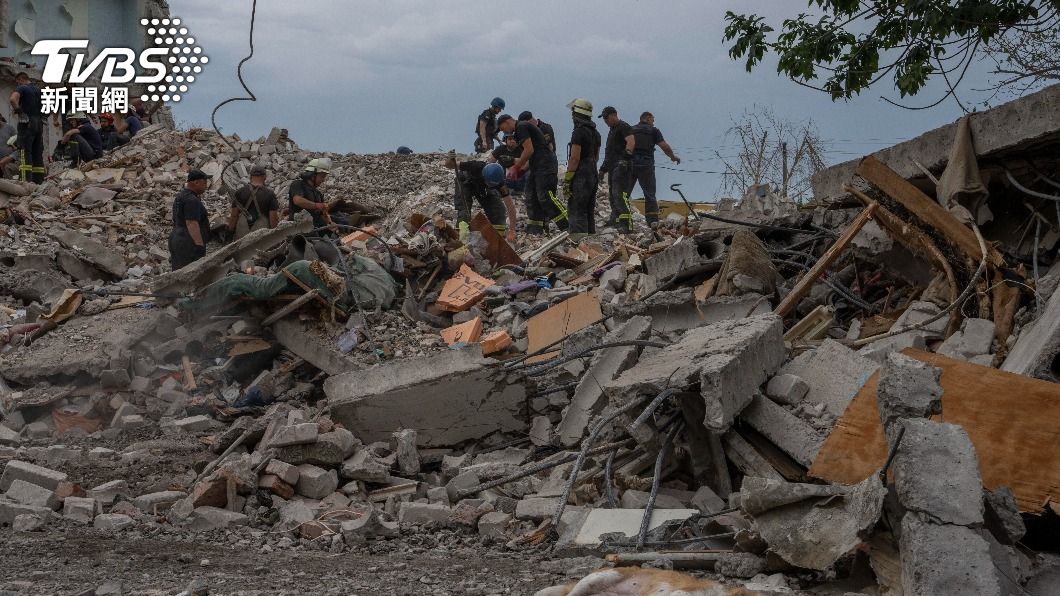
(118, 64)
(166, 67)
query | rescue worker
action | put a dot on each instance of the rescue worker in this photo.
(486, 126)
(483, 182)
(506, 155)
(645, 138)
(305, 195)
(191, 224)
(82, 140)
(9, 164)
(544, 127)
(254, 206)
(26, 105)
(617, 168)
(542, 206)
(581, 179)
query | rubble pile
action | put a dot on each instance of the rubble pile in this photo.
(854, 395)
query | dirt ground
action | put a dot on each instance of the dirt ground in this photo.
(81, 560)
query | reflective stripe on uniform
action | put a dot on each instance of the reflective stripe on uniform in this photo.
(562, 209)
(534, 222)
(500, 227)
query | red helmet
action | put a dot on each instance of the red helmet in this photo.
(108, 117)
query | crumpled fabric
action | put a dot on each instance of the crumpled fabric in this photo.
(960, 189)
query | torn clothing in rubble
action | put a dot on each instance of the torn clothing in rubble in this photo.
(370, 286)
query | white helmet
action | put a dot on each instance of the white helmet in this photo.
(320, 165)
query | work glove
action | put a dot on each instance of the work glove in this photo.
(568, 177)
(514, 172)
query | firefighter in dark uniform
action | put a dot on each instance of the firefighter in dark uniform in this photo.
(191, 223)
(542, 205)
(544, 127)
(486, 126)
(618, 151)
(506, 155)
(645, 138)
(483, 182)
(581, 179)
(26, 104)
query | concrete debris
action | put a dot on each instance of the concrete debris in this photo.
(410, 384)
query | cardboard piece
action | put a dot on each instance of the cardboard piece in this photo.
(559, 321)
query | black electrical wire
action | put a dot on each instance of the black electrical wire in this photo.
(668, 442)
(838, 287)
(765, 226)
(250, 94)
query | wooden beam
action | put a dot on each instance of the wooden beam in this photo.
(802, 287)
(746, 458)
(923, 207)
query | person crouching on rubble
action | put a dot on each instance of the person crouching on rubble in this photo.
(82, 140)
(191, 224)
(305, 195)
(254, 207)
(483, 182)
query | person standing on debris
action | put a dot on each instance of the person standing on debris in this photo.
(486, 126)
(617, 167)
(645, 138)
(26, 104)
(483, 182)
(305, 195)
(544, 127)
(581, 179)
(191, 224)
(542, 206)
(254, 207)
(83, 140)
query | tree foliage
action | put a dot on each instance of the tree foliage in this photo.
(774, 151)
(855, 44)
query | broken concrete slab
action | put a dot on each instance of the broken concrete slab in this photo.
(974, 338)
(834, 373)
(747, 268)
(605, 366)
(446, 398)
(1036, 352)
(729, 360)
(205, 519)
(785, 430)
(31, 473)
(292, 335)
(812, 528)
(1002, 515)
(907, 388)
(936, 473)
(675, 258)
(91, 250)
(945, 560)
(787, 389)
(599, 522)
(30, 494)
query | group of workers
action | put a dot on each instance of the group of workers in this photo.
(82, 140)
(526, 161)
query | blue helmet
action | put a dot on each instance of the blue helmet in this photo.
(497, 103)
(493, 174)
(403, 150)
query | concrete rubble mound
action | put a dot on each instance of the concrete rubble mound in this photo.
(852, 396)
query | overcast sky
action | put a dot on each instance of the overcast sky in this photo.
(368, 76)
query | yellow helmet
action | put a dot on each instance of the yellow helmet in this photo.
(581, 106)
(320, 165)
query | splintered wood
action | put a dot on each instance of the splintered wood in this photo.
(1013, 421)
(558, 322)
(463, 290)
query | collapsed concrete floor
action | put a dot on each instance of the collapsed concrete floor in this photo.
(766, 399)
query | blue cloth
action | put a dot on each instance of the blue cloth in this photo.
(135, 125)
(91, 135)
(29, 100)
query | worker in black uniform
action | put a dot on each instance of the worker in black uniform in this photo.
(645, 138)
(483, 182)
(542, 205)
(581, 179)
(82, 140)
(254, 206)
(26, 105)
(191, 223)
(618, 151)
(486, 126)
(544, 127)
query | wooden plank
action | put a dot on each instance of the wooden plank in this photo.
(290, 308)
(249, 347)
(746, 458)
(927, 210)
(802, 287)
(559, 321)
(499, 252)
(1013, 421)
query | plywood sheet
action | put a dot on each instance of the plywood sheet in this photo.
(499, 252)
(561, 320)
(1013, 421)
